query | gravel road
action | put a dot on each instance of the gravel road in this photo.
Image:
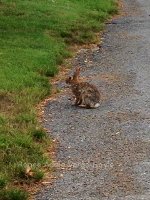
(105, 152)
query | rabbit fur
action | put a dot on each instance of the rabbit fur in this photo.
(86, 94)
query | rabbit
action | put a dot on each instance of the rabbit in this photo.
(86, 94)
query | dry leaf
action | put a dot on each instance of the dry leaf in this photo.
(29, 171)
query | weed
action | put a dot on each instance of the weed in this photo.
(38, 175)
(38, 135)
(3, 182)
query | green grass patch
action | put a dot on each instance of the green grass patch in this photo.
(34, 40)
(13, 194)
(3, 182)
(39, 135)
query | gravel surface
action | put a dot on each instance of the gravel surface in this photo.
(105, 152)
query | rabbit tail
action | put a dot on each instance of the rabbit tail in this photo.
(96, 105)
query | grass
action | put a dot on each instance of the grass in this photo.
(34, 38)
(13, 194)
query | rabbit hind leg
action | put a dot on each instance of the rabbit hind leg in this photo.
(78, 101)
(87, 102)
(90, 104)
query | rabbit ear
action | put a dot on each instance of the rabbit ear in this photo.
(78, 70)
(76, 74)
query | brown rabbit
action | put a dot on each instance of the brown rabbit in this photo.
(86, 94)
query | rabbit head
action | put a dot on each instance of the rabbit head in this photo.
(75, 78)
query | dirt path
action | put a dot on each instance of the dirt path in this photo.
(107, 150)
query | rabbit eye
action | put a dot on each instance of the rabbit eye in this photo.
(70, 78)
